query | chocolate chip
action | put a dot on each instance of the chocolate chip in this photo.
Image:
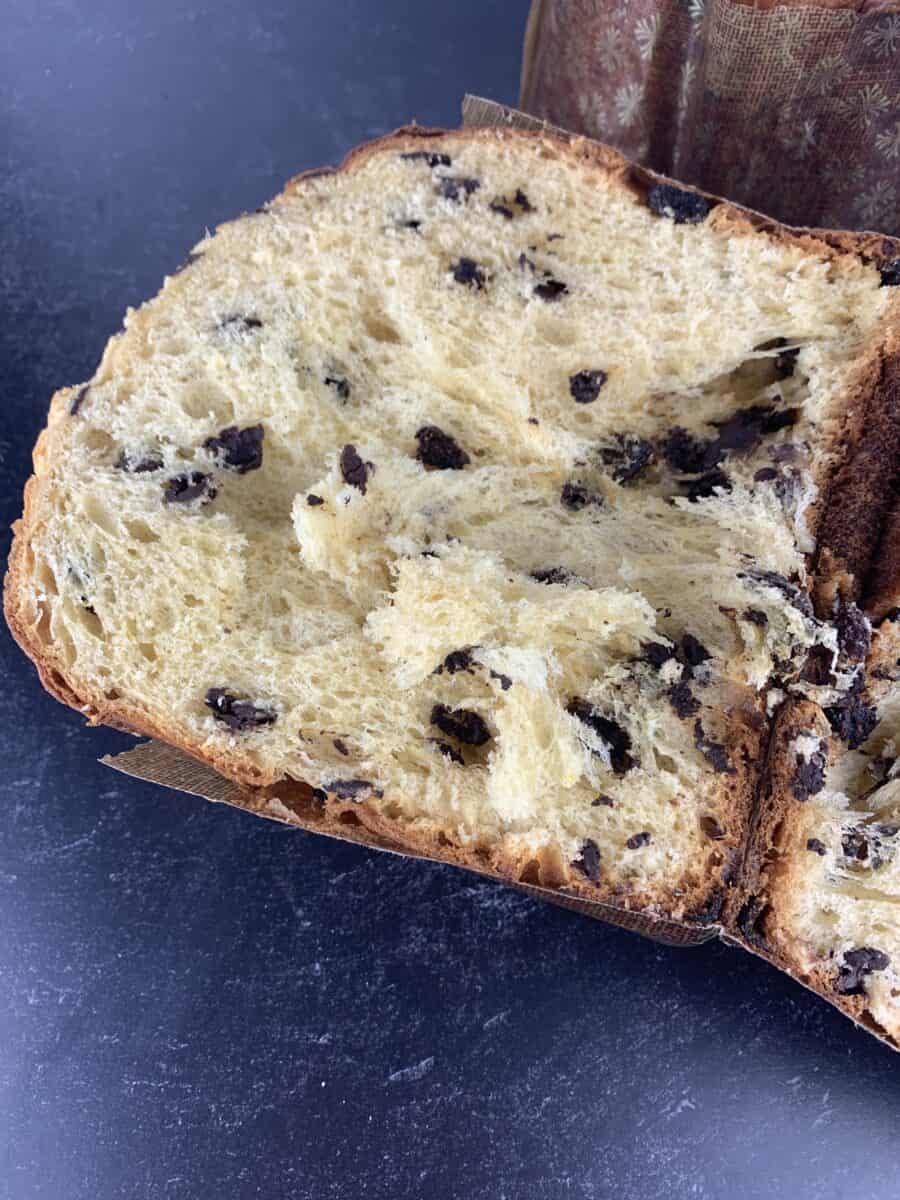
(854, 633)
(439, 450)
(714, 752)
(584, 386)
(552, 575)
(683, 700)
(340, 385)
(238, 715)
(239, 449)
(890, 273)
(683, 451)
(351, 789)
(353, 469)
(184, 489)
(78, 399)
(740, 432)
(409, 223)
(526, 263)
(501, 210)
(615, 737)
(707, 485)
(765, 474)
(243, 324)
(629, 457)
(550, 290)
(457, 189)
(638, 839)
(786, 362)
(504, 680)
(589, 860)
(712, 828)
(313, 500)
(809, 775)
(340, 746)
(603, 801)
(816, 847)
(525, 204)
(852, 719)
(680, 206)
(448, 751)
(657, 653)
(575, 496)
(855, 845)
(856, 966)
(456, 661)
(693, 652)
(151, 461)
(795, 595)
(433, 159)
(467, 272)
(755, 616)
(460, 723)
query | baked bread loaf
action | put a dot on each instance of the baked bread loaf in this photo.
(481, 487)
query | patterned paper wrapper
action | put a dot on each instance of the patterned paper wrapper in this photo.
(792, 109)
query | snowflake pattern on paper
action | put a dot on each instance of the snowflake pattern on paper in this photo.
(789, 109)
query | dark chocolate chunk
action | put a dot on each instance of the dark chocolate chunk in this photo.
(683, 700)
(852, 719)
(856, 966)
(693, 652)
(616, 738)
(353, 469)
(657, 652)
(854, 633)
(589, 860)
(504, 680)
(184, 489)
(434, 159)
(241, 323)
(151, 461)
(457, 189)
(409, 223)
(795, 595)
(809, 775)
(575, 496)
(460, 723)
(682, 207)
(240, 450)
(765, 474)
(684, 452)
(78, 399)
(525, 204)
(456, 661)
(714, 752)
(711, 827)
(238, 715)
(786, 362)
(440, 450)
(552, 575)
(313, 500)
(467, 272)
(501, 210)
(448, 751)
(816, 847)
(855, 844)
(707, 485)
(603, 801)
(351, 789)
(744, 429)
(638, 839)
(340, 385)
(584, 386)
(340, 746)
(755, 616)
(550, 290)
(629, 457)
(890, 273)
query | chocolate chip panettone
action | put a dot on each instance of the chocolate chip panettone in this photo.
(500, 493)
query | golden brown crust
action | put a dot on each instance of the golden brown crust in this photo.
(702, 899)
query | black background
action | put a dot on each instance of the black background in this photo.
(194, 1002)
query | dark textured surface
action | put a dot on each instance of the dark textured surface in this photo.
(197, 1003)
